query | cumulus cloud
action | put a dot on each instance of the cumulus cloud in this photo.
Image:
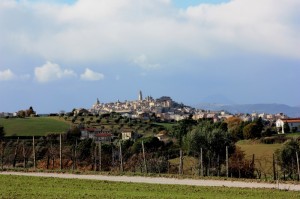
(90, 75)
(103, 31)
(51, 71)
(6, 75)
(142, 61)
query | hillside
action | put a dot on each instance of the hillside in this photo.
(33, 126)
(250, 108)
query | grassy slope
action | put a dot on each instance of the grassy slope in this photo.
(263, 154)
(33, 126)
(35, 187)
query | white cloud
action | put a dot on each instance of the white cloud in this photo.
(6, 75)
(90, 75)
(51, 71)
(105, 31)
(142, 61)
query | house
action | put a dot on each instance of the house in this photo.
(98, 135)
(294, 125)
(129, 134)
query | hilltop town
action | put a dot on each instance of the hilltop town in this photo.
(165, 109)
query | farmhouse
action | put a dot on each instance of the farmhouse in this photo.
(98, 135)
(293, 124)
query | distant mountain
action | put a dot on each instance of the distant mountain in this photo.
(250, 108)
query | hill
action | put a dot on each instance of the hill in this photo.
(33, 126)
(250, 108)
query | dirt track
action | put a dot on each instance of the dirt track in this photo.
(160, 180)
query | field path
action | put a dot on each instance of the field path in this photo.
(160, 180)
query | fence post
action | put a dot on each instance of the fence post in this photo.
(60, 152)
(227, 166)
(298, 169)
(33, 151)
(145, 165)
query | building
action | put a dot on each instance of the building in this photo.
(294, 125)
(140, 96)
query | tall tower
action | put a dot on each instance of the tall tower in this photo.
(140, 96)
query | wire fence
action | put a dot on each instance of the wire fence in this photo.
(86, 155)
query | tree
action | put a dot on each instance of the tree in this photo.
(287, 157)
(251, 131)
(2, 132)
(286, 128)
(234, 125)
(213, 142)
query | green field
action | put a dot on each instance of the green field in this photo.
(37, 126)
(40, 187)
(263, 154)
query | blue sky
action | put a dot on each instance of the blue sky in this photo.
(58, 55)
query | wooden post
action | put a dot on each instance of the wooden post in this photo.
(274, 169)
(2, 154)
(60, 152)
(33, 151)
(95, 157)
(24, 154)
(144, 157)
(121, 158)
(298, 169)
(16, 152)
(227, 163)
(75, 155)
(100, 156)
(201, 159)
(180, 163)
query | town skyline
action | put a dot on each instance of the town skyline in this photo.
(58, 55)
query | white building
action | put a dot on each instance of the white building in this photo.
(294, 124)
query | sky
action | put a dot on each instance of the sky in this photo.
(63, 54)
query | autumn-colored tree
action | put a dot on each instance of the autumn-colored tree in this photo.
(234, 125)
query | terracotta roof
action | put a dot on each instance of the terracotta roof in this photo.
(103, 135)
(291, 120)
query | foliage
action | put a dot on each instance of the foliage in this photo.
(213, 142)
(251, 131)
(183, 127)
(287, 157)
(286, 128)
(235, 125)
(2, 132)
(150, 144)
(239, 166)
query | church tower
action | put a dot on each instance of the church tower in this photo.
(140, 96)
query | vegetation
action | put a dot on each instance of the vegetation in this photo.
(38, 126)
(39, 187)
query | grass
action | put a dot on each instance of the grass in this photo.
(41, 187)
(37, 126)
(263, 154)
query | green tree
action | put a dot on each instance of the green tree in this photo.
(2, 132)
(213, 142)
(286, 128)
(251, 131)
(287, 157)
